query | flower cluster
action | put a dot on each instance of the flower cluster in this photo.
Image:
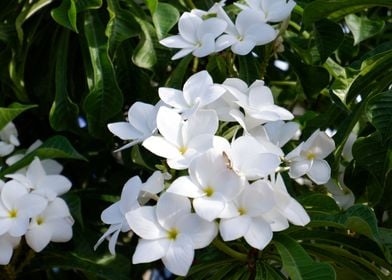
(204, 32)
(30, 205)
(230, 185)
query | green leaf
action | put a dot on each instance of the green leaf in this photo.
(217, 68)
(373, 77)
(249, 68)
(54, 147)
(329, 36)
(298, 264)
(64, 113)
(121, 26)
(176, 78)
(319, 203)
(152, 5)
(164, 18)
(105, 98)
(266, 272)
(66, 15)
(379, 112)
(9, 113)
(363, 28)
(75, 206)
(84, 5)
(144, 55)
(336, 9)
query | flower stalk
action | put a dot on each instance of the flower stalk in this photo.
(229, 251)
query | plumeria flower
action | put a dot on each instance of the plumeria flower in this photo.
(8, 139)
(37, 180)
(211, 184)
(258, 104)
(114, 215)
(50, 166)
(308, 158)
(199, 91)
(249, 31)
(170, 232)
(250, 158)
(182, 141)
(141, 124)
(17, 206)
(270, 10)
(197, 36)
(343, 196)
(247, 216)
(7, 245)
(54, 224)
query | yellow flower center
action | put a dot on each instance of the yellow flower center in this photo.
(183, 150)
(40, 221)
(310, 156)
(209, 191)
(13, 213)
(172, 234)
(242, 211)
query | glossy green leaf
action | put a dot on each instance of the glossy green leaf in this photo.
(144, 55)
(266, 272)
(177, 77)
(373, 77)
(329, 36)
(75, 206)
(121, 26)
(249, 68)
(319, 203)
(84, 5)
(379, 112)
(66, 15)
(164, 18)
(335, 9)
(152, 5)
(105, 98)
(298, 264)
(64, 112)
(363, 28)
(54, 147)
(9, 113)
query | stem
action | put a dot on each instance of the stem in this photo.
(283, 83)
(195, 64)
(265, 61)
(229, 251)
(190, 4)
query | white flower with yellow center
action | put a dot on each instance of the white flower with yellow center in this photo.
(170, 232)
(270, 10)
(182, 141)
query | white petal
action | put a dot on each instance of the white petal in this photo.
(169, 124)
(224, 42)
(276, 220)
(201, 122)
(58, 208)
(207, 46)
(188, 25)
(179, 256)
(209, 208)
(182, 53)
(143, 222)
(185, 187)
(124, 130)
(258, 198)
(51, 166)
(320, 172)
(234, 228)
(176, 41)
(112, 214)
(129, 194)
(11, 192)
(299, 168)
(154, 183)
(170, 207)
(139, 115)
(173, 97)
(259, 233)
(196, 85)
(200, 231)
(260, 34)
(243, 47)
(5, 252)
(54, 185)
(213, 26)
(108, 232)
(296, 214)
(35, 172)
(150, 250)
(38, 238)
(31, 205)
(161, 147)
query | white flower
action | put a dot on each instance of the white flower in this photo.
(114, 215)
(197, 36)
(7, 245)
(258, 104)
(199, 90)
(17, 206)
(182, 141)
(8, 139)
(53, 224)
(277, 132)
(270, 10)
(247, 216)
(343, 196)
(249, 31)
(141, 124)
(249, 157)
(36, 179)
(50, 166)
(210, 183)
(308, 158)
(170, 232)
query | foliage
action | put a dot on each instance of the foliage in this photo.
(68, 68)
